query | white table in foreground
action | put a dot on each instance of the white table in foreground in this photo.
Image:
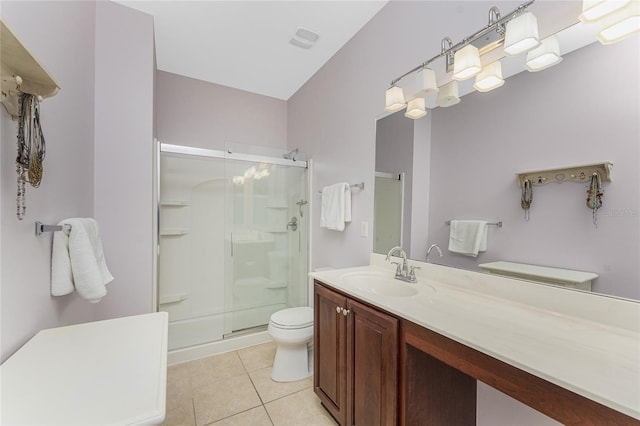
(98, 373)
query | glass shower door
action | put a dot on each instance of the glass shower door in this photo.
(227, 259)
(266, 257)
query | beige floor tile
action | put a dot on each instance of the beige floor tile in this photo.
(254, 417)
(270, 390)
(178, 382)
(208, 370)
(180, 413)
(257, 357)
(300, 408)
(224, 398)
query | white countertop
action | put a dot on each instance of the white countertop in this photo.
(587, 343)
(99, 373)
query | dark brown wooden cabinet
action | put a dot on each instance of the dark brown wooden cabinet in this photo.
(330, 352)
(371, 368)
(356, 360)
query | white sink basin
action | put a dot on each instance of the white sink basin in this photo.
(378, 283)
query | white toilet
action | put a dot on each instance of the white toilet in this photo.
(292, 330)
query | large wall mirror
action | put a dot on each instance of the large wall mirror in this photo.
(461, 162)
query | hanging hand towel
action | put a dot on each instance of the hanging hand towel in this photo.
(468, 237)
(77, 261)
(336, 206)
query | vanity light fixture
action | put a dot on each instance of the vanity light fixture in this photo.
(516, 32)
(394, 99)
(521, 34)
(593, 10)
(416, 109)
(426, 83)
(466, 63)
(620, 24)
(490, 78)
(448, 95)
(544, 56)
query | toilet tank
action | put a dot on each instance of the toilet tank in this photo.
(542, 274)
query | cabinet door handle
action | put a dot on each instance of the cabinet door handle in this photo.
(338, 309)
(345, 312)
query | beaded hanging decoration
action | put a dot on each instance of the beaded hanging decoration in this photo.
(527, 197)
(31, 149)
(594, 196)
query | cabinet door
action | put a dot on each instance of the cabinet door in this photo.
(329, 348)
(372, 354)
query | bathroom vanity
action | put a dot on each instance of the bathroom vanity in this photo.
(388, 352)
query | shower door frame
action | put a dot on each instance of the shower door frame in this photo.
(224, 155)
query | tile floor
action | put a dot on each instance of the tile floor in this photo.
(235, 388)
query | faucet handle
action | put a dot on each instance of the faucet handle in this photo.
(412, 273)
(398, 268)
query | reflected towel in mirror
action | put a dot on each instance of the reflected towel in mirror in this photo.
(468, 237)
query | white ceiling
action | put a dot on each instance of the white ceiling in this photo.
(245, 44)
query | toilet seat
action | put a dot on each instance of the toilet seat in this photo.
(293, 318)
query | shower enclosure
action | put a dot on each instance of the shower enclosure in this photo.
(233, 241)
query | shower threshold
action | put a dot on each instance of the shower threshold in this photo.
(245, 331)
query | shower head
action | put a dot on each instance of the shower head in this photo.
(291, 155)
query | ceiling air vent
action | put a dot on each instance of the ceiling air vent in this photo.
(304, 38)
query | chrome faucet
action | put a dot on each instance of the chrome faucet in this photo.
(431, 247)
(404, 271)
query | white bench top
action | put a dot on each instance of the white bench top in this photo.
(98, 373)
(538, 272)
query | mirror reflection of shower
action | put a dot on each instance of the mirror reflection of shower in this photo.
(230, 252)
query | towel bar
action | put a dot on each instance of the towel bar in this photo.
(40, 228)
(498, 224)
(353, 185)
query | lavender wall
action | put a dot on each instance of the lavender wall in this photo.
(332, 118)
(124, 94)
(583, 111)
(98, 130)
(197, 113)
(64, 45)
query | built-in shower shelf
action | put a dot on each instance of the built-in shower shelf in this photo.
(177, 203)
(277, 206)
(173, 298)
(173, 232)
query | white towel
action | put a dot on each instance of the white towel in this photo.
(336, 206)
(468, 237)
(77, 261)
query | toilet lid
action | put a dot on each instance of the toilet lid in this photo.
(293, 317)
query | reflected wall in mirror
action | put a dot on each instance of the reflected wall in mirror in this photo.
(586, 110)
